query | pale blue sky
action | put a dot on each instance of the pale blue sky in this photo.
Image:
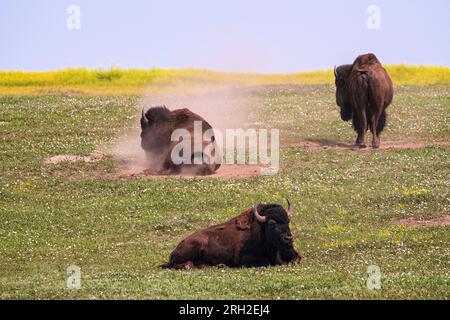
(231, 35)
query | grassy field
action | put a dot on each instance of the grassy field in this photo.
(119, 230)
(134, 81)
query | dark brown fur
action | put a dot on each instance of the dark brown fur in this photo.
(239, 242)
(157, 125)
(363, 91)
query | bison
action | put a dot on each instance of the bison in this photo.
(158, 124)
(363, 91)
(260, 236)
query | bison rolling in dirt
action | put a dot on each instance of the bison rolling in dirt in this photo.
(159, 123)
(363, 91)
(259, 236)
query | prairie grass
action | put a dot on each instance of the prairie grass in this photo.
(119, 230)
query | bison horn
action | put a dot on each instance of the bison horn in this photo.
(335, 73)
(144, 119)
(289, 210)
(258, 217)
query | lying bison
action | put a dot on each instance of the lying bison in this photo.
(158, 124)
(259, 236)
(363, 91)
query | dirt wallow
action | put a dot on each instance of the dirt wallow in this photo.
(226, 171)
(415, 222)
(341, 146)
(133, 164)
(128, 168)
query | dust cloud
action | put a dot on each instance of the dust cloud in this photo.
(224, 107)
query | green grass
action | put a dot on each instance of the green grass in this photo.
(119, 230)
(135, 81)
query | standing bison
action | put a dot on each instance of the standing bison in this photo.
(363, 91)
(158, 124)
(259, 236)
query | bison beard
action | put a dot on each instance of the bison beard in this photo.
(157, 125)
(257, 237)
(363, 91)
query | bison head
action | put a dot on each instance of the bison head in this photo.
(341, 75)
(278, 236)
(153, 115)
(152, 143)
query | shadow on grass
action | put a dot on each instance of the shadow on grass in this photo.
(326, 143)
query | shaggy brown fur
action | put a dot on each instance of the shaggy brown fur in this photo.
(157, 125)
(240, 242)
(363, 91)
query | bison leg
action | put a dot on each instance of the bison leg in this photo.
(254, 261)
(293, 258)
(360, 126)
(169, 167)
(381, 124)
(373, 129)
(203, 170)
(188, 253)
(188, 265)
(377, 125)
(296, 260)
(361, 139)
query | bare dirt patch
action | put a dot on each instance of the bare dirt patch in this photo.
(226, 171)
(95, 156)
(340, 146)
(414, 222)
(132, 162)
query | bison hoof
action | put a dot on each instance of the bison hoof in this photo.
(375, 144)
(296, 260)
(360, 145)
(188, 266)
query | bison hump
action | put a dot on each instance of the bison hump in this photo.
(365, 62)
(181, 115)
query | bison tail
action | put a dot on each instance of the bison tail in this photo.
(381, 122)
